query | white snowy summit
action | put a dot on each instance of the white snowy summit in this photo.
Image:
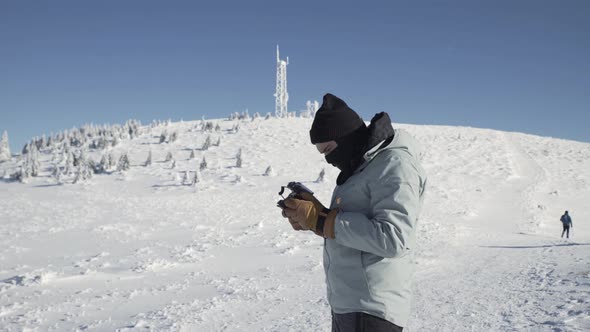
(100, 231)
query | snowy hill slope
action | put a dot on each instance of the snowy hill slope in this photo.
(138, 250)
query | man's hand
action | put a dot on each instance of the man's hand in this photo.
(310, 215)
(302, 214)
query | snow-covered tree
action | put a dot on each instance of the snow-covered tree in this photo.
(91, 167)
(217, 127)
(239, 161)
(192, 156)
(148, 161)
(163, 136)
(26, 148)
(196, 178)
(132, 128)
(321, 176)
(4, 148)
(32, 161)
(78, 177)
(22, 175)
(185, 179)
(203, 164)
(57, 174)
(312, 107)
(111, 161)
(168, 156)
(173, 137)
(80, 158)
(99, 143)
(69, 166)
(173, 164)
(207, 143)
(218, 141)
(84, 172)
(124, 163)
(103, 165)
(50, 141)
(269, 171)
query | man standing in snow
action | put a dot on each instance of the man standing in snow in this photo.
(369, 229)
(566, 220)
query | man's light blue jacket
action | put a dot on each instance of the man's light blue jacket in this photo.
(369, 263)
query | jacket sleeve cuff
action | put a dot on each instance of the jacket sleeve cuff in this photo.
(329, 224)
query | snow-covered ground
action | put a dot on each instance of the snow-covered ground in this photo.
(139, 251)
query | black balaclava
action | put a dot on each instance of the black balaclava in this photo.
(335, 121)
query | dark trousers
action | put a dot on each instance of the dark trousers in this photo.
(566, 229)
(361, 322)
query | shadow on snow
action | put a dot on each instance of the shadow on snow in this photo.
(543, 246)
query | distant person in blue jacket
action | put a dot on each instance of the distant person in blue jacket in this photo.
(566, 220)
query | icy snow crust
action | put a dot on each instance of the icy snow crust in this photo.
(139, 251)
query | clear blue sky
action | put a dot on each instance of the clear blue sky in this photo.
(509, 65)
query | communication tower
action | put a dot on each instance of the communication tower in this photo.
(281, 95)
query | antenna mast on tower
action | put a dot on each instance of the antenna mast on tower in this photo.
(281, 95)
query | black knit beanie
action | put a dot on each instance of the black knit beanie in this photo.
(334, 120)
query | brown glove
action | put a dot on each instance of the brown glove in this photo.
(310, 215)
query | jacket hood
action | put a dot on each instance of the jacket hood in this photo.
(379, 130)
(402, 140)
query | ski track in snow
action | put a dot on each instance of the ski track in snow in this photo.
(141, 252)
